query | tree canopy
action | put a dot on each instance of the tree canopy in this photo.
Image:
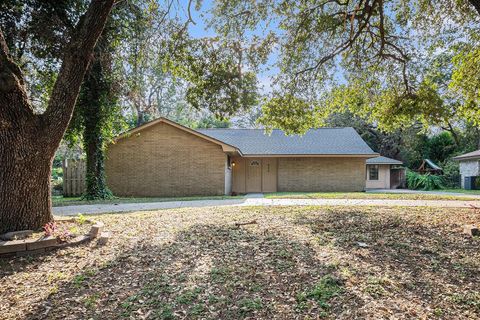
(372, 57)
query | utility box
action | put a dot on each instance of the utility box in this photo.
(471, 183)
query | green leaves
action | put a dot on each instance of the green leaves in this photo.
(327, 288)
(217, 75)
(374, 59)
(416, 181)
(466, 81)
(389, 108)
(290, 113)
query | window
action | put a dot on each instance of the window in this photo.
(254, 163)
(373, 172)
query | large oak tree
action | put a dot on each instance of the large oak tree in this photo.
(368, 55)
(28, 140)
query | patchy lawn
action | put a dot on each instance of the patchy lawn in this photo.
(366, 195)
(60, 201)
(294, 263)
(474, 192)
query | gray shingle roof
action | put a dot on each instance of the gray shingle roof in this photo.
(383, 160)
(324, 141)
(468, 156)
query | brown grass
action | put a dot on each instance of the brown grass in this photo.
(295, 263)
(369, 195)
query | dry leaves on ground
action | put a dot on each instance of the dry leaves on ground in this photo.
(293, 263)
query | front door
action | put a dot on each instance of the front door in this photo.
(254, 175)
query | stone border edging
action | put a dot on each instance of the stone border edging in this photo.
(35, 246)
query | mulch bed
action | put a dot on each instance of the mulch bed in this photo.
(286, 263)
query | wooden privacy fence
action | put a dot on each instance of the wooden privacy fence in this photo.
(73, 177)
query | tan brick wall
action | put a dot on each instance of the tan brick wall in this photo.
(321, 174)
(162, 160)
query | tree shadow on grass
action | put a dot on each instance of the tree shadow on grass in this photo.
(208, 272)
(406, 258)
(12, 264)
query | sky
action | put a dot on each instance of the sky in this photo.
(264, 77)
(200, 30)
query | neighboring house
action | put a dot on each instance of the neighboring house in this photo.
(384, 173)
(469, 164)
(164, 158)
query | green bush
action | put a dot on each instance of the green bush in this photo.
(57, 181)
(416, 181)
(451, 174)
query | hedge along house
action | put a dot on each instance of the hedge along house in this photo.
(164, 158)
(384, 173)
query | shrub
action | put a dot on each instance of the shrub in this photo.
(57, 181)
(416, 181)
(50, 228)
(81, 219)
(451, 174)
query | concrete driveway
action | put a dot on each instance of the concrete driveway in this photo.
(249, 201)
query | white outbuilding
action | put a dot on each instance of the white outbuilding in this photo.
(469, 169)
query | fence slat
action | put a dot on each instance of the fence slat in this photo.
(73, 177)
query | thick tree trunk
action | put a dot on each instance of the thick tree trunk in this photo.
(96, 102)
(28, 141)
(24, 183)
(96, 183)
(94, 144)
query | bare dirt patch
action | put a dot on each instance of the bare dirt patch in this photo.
(294, 263)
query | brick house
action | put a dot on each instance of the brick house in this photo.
(164, 158)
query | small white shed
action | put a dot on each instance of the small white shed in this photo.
(384, 173)
(469, 165)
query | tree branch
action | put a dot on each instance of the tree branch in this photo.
(475, 4)
(76, 59)
(365, 16)
(6, 62)
(14, 104)
(364, 32)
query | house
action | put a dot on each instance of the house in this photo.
(164, 158)
(469, 164)
(384, 173)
